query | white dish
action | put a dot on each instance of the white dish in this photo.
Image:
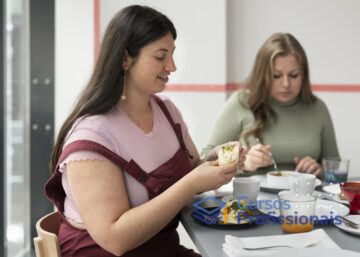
(332, 189)
(230, 197)
(335, 190)
(281, 180)
(266, 186)
(315, 251)
(354, 218)
(324, 209)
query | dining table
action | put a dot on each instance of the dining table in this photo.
(209, 239)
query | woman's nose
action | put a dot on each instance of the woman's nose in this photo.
(170, 65)
(286, 81)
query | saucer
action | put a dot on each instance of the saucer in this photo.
(335, 190)
(264, 185)
(354, 218)
(325, 210)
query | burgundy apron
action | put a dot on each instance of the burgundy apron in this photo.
(78, 243)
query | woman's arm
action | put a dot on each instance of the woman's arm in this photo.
(100, 196)
(228, 125)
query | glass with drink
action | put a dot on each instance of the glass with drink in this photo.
(297, 212)
(351, 190)
(335, 170)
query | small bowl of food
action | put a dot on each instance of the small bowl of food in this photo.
(278, 178)
(351, 191)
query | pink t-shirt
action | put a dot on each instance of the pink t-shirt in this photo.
(117, 132)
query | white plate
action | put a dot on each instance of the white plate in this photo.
(230, 197)
(332, 189)
(265, 186)
(354, 218)
(324, 208)
(315, 251)
(335, 190)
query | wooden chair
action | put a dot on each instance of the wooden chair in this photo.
(47, 243)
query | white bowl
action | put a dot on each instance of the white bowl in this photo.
(276, 179)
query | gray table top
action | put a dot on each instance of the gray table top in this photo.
(209, 240)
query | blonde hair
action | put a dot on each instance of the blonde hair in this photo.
(259, 82)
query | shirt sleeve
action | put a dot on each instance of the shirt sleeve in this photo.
(88, 129)
(329, 146)
(228, 125)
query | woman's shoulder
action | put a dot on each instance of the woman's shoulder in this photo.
(91, 122)
(95, 128)
(319, 104)
(240, 98)
(170, 106)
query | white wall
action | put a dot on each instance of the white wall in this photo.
(74, 53)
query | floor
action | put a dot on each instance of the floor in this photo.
(185, 239)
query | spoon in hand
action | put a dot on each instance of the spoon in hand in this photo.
(272, 158)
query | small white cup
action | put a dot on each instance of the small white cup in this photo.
(246, 188)
(302, 183)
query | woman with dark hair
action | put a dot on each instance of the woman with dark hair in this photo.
(124, 164)
(276, 115)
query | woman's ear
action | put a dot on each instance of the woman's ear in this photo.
(127, 60)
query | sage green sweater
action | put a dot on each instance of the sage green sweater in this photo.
(299, 130)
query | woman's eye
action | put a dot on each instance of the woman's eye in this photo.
(276, 76)
(294, 75)
(159, 58)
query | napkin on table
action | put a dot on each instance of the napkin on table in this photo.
(233, 246)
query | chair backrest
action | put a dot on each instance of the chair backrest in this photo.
(47, 243)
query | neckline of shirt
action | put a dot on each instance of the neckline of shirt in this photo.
(154, 129)
(293, 102)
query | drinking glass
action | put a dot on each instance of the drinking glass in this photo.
(335, 170)
(296, 212)
(351, 190)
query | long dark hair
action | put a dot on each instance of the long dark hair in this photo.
(131, 29)
(261, 76)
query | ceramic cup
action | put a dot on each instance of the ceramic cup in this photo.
(246, 188)
(302, 183)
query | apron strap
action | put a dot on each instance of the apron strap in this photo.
(176, 126)
(131, 167)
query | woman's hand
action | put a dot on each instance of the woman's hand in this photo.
(258, 156)
(210, 176)
(308, 165)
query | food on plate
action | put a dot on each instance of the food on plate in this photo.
(228, 154)
(278, 178)
(235, 212)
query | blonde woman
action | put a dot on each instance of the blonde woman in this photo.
(276, 115)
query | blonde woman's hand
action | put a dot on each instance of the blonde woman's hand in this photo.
(308, 165)
(210, 176)
(258, 156)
